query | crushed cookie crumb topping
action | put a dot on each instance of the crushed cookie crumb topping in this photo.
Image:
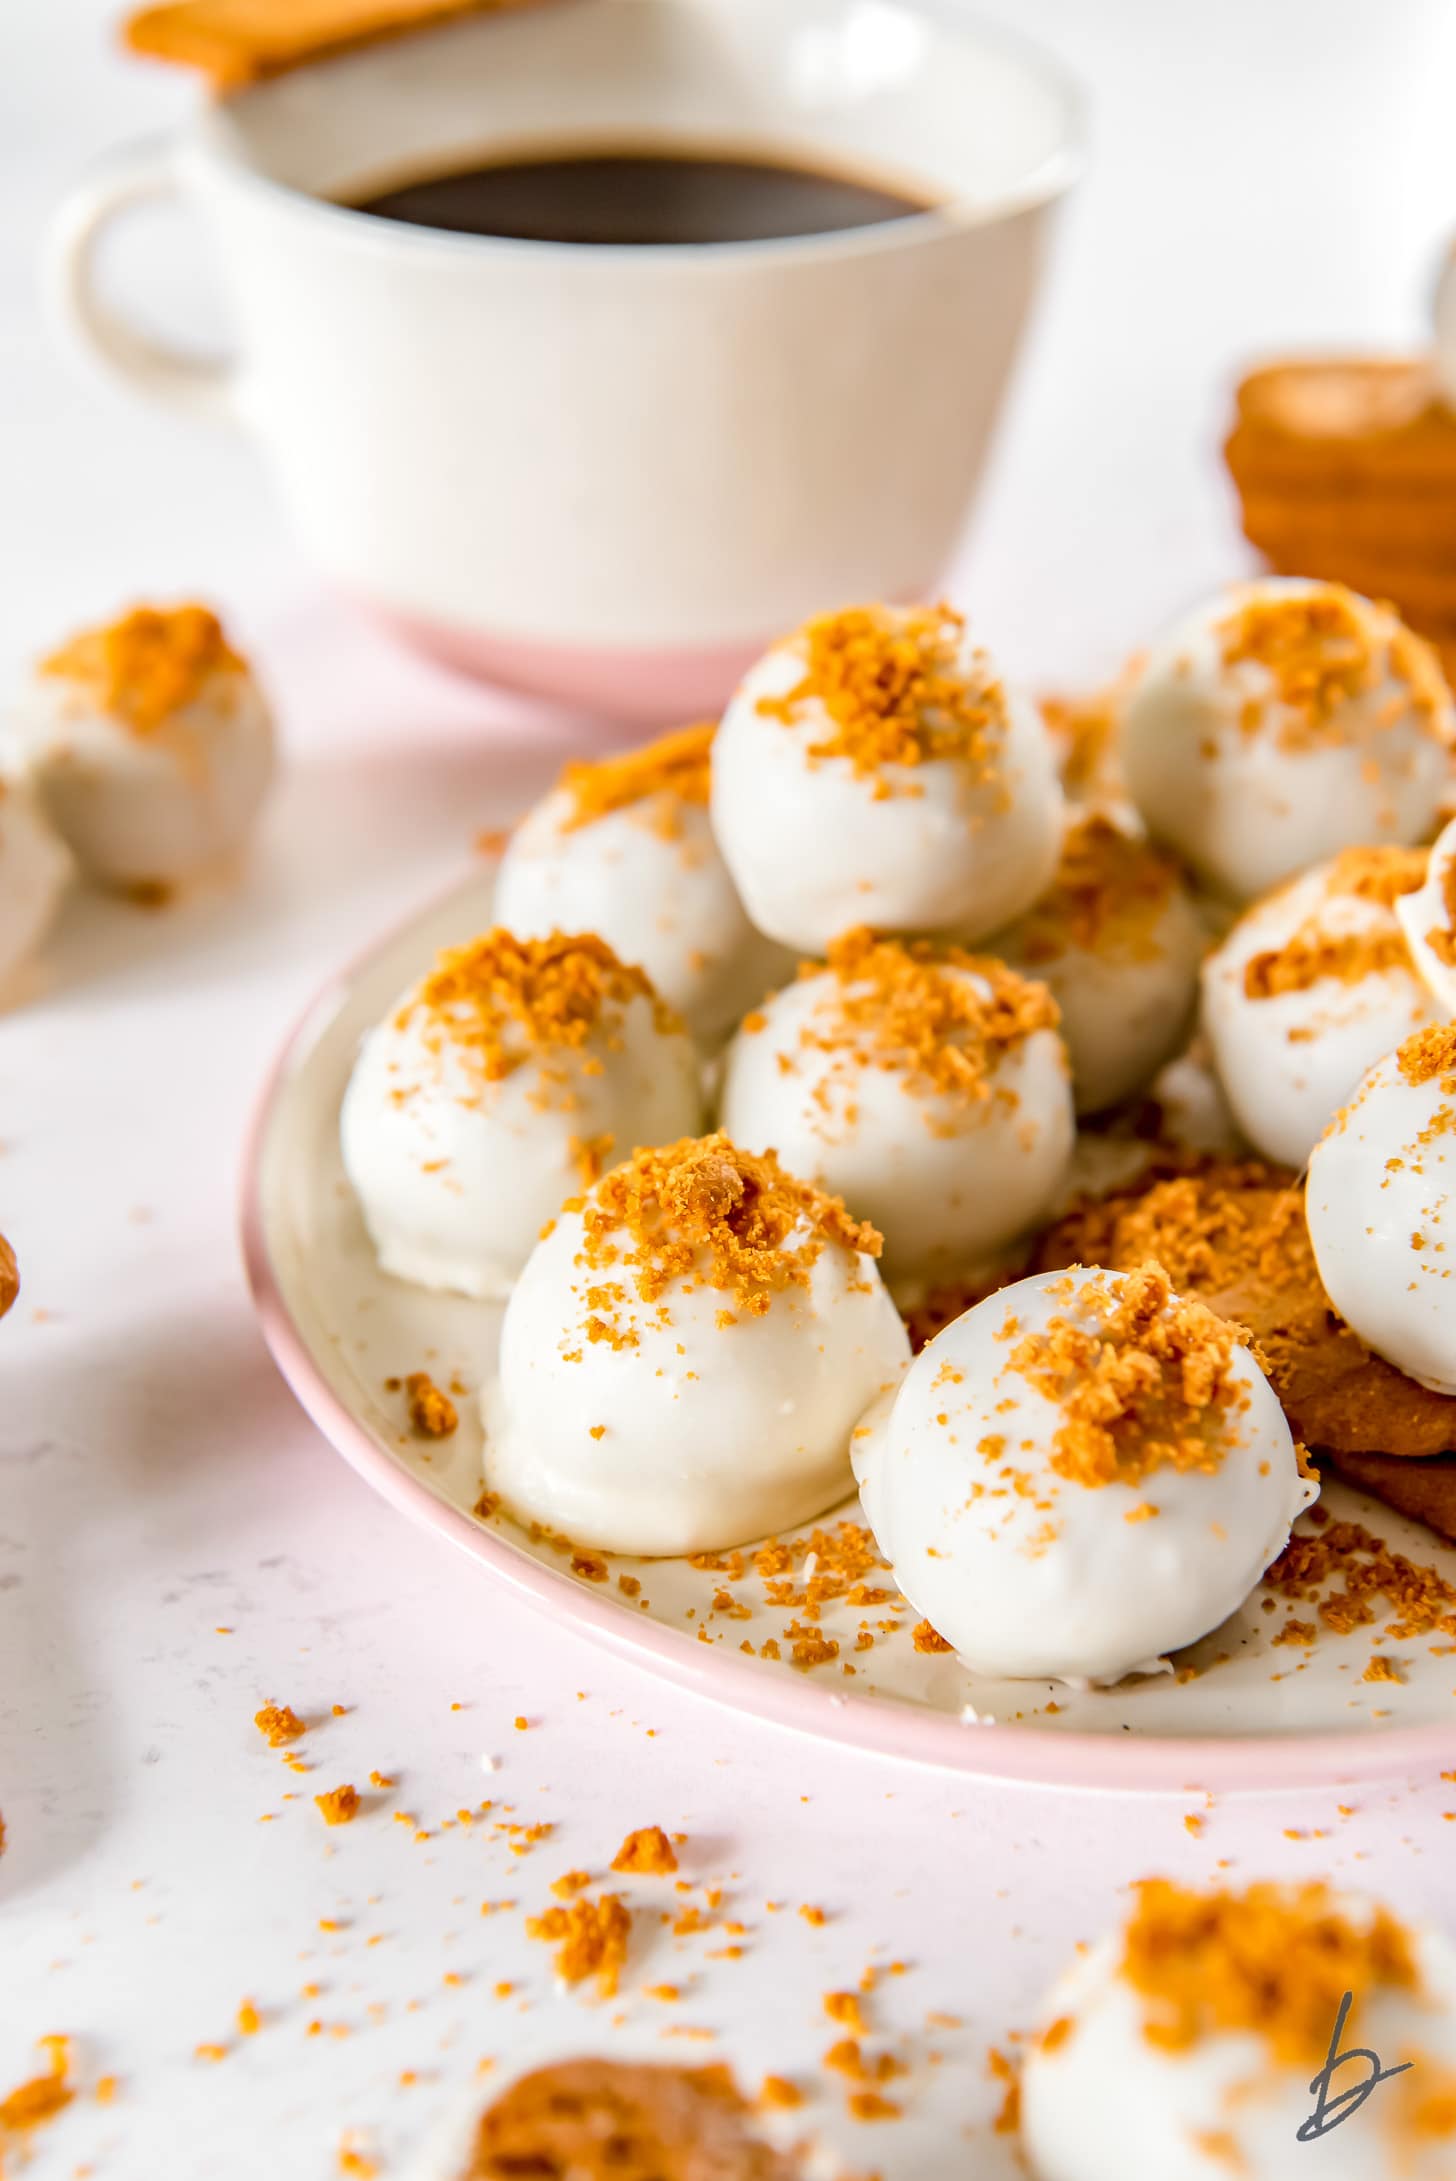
(1109, 891)
(432, 1413)
(648, 1850)
(673, 770)
(1430, 1054)
(898, 689)
(1274, 1960)
(590, 1937)
(1310, 957)
(1139, 1375)
(147, 665)
(703, 1212)
(499, 998)
(1381, 872)
(1323, 649)
(941, 1016)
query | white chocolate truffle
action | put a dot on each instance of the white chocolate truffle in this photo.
(34, 873)
(1282, 722)
(150, 746)
(1428, 919)
(1381, 1206)
(624, 848)
(1309, 989)
(1081, 1474)
(503, 1083)
(686, 1354)
(1187, 2046)
(872, 769)
(926, 1086)
(1118, 940)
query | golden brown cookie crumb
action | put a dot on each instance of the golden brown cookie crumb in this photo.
(339, 1805)
(648, 1850)
(896, 691)
(1274, 1960)
(1311, 957)
(1110, 888)
(590, 1937)
(929, 1640)
(1312, 954)
(901, 1004)
(432, 1413)
(1380, 871)
(146, 666)
(501, 997)
(1420, 1600)
(33, 2103)
(1430, 1053)
(9, 1276)
(702, 1209)
(1322, 652)
(278, 1725)
(1233, 1234)
(667, 773)
(1139, 1385)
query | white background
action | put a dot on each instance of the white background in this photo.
(1266, 174)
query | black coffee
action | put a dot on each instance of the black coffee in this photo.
(643, 198)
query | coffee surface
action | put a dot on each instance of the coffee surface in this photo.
(641, 198)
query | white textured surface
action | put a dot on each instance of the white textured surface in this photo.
(1263, 178)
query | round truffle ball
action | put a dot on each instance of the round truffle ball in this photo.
(1080, 1475)
(500, 1085)
(1309, 989)
(924, 1085)
(873, 769)
(686, 1354)
(624, 848)
(1281, 722)
(150, 746)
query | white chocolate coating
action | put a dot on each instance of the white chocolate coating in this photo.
(1127, 999)
(457, 1176)
(664, 902)
(1288, 1060)
(709, 1434)
(1246, 810)
(1428, 919)
(946, 1180)
(1105, 2104)
(34, 873)
(1047, 1576)
(155, 808)
(1381, 1206)
(814, 850)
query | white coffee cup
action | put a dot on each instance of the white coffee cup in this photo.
(612, 474)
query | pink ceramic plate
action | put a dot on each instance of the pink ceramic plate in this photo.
(1255, 1716)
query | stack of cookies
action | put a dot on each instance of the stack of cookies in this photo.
(1346, 469)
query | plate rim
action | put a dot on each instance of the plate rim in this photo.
(886, 1727)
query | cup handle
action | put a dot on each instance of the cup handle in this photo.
(139, 174)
